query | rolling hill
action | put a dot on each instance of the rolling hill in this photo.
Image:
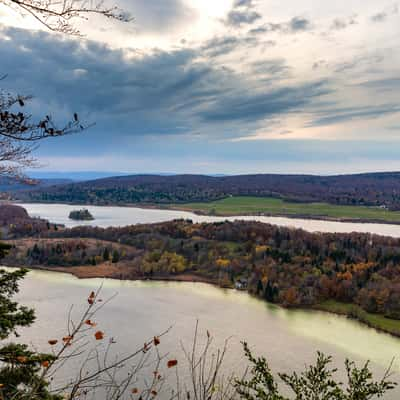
(373, 189)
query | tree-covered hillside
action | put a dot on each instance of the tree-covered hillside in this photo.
(380, 189)
(290, 267)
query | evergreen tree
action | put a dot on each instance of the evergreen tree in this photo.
(269, 293)
(20, 367)
(260, 287)
(115, 257)
(106, 254)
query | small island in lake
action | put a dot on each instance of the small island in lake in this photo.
(81, 215)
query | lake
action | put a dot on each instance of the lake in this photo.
(288, 338)
(122, 216)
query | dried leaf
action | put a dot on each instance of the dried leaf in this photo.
(67, 340)
(91, 298)
(135, 390)
(99, 335)
(22, 359)
(156, 340)
(172, 363)
(53, 342)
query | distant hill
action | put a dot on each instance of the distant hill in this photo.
(375, 189)
(73, 176)
(9, 185)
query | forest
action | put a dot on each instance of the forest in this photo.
(289, 267)
(377, 189)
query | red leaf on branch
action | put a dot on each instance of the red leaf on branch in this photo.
(172, 363)
(67, 340)
(91, 298)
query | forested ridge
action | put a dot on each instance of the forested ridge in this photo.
(285, 266)
(378, 189)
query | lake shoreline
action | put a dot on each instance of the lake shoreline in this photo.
(80, 272)
(166, 207)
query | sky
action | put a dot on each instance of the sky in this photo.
(217, 87)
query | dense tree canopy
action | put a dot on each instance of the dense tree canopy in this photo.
(285, 266)
(379, 189)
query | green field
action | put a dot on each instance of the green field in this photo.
(374, 320)
(272, 206)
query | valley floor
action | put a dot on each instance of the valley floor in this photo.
(277, 207)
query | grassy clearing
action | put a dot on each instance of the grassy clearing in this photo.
(373, 320)
(272, 206)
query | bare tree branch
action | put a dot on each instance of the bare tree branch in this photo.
(19, 133)
(60, 15)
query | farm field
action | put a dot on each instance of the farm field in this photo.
(273, 206)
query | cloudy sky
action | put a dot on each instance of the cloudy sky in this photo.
(218, 86)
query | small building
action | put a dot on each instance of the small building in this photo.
(241, 284)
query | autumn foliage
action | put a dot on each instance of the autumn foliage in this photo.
(285, 266)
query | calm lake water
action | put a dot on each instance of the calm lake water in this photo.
(122, 216)
(289, 339)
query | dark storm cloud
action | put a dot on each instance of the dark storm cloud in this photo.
(250, 105)
(181, 91)
(242, 13)
(159, 93)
